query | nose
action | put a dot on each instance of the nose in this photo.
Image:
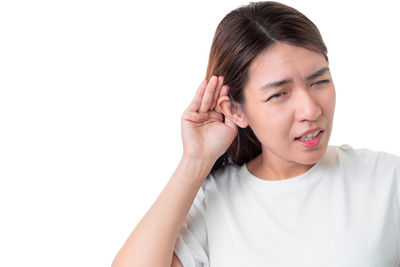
(307, 107)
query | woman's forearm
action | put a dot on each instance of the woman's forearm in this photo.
(153, 240)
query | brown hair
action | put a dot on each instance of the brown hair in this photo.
(240, 37)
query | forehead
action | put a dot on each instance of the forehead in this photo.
(283, 61)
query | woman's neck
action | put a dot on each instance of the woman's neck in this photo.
(275, 167)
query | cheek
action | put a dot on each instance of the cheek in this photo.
(330, 101)
(269, 125)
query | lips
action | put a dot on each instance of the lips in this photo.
(310, 131)
(312, 143)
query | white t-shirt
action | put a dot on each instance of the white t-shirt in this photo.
(343, 212)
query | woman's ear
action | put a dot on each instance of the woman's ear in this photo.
(232, 112)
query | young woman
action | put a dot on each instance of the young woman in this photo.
(258, 184)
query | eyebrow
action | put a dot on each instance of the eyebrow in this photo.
(310, 77)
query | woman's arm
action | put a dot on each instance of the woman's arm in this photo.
(205, 137)
(176, 262)
(153, 240)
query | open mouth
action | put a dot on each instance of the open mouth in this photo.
(309, 138)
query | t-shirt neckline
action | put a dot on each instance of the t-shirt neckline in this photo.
(284, 185)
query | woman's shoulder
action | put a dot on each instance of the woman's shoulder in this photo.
(224, 176)
(367, 158)
(225, 171)
(367, 152)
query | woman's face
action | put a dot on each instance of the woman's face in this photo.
(304, 100)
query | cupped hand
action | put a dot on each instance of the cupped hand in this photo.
(204, 134)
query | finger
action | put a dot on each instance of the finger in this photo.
(217, 91)
(224, 90)
(196, 101)
(208, 95)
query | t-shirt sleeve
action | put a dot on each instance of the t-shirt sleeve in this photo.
(191, 246)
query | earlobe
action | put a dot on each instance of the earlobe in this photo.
(233, 113)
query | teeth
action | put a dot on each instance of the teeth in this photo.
(310, 136)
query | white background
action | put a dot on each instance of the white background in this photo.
(91, 94)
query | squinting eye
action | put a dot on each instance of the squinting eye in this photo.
(276, 95)
(320, 82)
(281, 93)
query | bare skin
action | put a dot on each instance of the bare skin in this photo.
(205, 138)
(204, 135)
(277, 115)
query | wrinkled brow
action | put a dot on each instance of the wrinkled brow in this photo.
(310, 77)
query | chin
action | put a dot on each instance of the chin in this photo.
(314, 156)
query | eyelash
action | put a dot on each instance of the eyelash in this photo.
(279, 94)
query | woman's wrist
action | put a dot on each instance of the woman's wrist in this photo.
(194, 170)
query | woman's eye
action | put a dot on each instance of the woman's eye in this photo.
(276, 95)
(282, 93)
(321, 82)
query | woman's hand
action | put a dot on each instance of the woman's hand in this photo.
(204, 136)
